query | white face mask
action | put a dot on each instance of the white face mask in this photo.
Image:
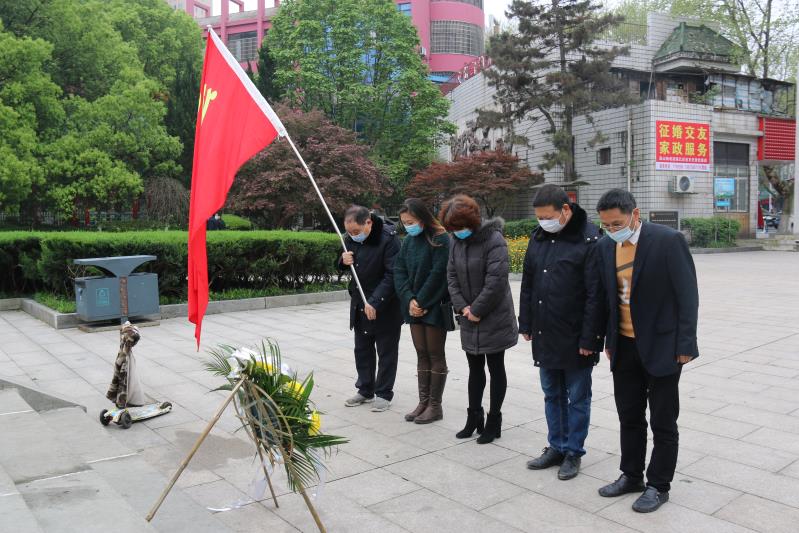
(553, 225)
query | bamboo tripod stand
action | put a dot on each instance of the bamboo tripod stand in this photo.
(252, 427)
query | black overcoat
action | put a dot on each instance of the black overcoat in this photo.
(560, 304)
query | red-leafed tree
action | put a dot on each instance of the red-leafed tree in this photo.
(273, 190)
(490, 177)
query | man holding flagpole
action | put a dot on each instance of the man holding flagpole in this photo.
(377, 319)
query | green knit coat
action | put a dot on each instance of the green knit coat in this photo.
(420, 273)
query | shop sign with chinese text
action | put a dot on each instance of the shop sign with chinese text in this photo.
(682, 146)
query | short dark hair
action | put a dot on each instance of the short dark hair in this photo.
(358, 214)
(552, 195)
(460, 212)
(619, 199)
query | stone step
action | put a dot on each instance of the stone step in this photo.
(138, 482)
(61, 491)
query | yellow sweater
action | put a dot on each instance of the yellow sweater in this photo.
(625, 256)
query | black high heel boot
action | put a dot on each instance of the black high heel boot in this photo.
(474, 421)
(493, 429)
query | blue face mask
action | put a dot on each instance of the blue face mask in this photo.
(413, 230)
(623, 234)
(463, 233)
(359, 238)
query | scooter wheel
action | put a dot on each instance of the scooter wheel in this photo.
(125, 421)
(104, 419)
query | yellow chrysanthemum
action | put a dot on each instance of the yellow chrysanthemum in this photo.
(266, 366)
(295, 387)
(316, 423)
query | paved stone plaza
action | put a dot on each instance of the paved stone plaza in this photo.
(739, 427)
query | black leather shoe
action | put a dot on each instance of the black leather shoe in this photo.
(569, 468)
(550, 457)
(650, 500)
(624, 485)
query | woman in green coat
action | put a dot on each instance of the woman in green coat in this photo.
(420, 278)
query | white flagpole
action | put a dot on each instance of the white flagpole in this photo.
(329, 214)
(281, 131)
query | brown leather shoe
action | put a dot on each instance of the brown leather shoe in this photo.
(434, 411)
(423, 377)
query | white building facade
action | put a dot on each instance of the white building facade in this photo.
(699, 133)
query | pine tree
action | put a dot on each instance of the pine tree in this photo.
(181, 115)
(552, 69)
(265, 80)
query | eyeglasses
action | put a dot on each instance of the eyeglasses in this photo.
(616, 226)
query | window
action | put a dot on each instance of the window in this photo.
(731, 181)
(243, 46)
(405, 9)
(603, 156)
(454, 37)
(477, 3)
(440, 76)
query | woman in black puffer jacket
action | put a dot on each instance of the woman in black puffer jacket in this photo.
(477, 278)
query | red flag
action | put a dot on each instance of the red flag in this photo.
(234, 122)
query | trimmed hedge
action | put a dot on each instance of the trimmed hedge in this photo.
(517, 229)
(716, 232)
(41, 261)
(236, 223)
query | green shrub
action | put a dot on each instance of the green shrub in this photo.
(236, 259)
(19, 255)
(716, 232)
(236, 223)
(516, 229)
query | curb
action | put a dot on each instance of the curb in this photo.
(731, 250)
(58, 320)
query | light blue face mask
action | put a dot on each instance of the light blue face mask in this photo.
(623, 234)
(463, 233)
(359, 238)
(413, 230)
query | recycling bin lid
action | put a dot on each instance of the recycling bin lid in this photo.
(119, 266)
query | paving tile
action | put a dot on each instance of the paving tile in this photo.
(775, 487)
(534, 512)
(424, 511)
(371, 487)
(254, 518)
(580, 492)
(376, 448)
(734, 450)
(670, 518)
(469, 487)
(760, 515)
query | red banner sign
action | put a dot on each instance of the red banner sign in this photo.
(682, 146)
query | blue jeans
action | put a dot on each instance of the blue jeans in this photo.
(567, 399)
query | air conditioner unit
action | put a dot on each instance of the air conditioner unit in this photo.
(683, 184)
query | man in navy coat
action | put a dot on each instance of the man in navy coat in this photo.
(649, 281)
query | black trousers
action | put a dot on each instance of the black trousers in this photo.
(376, 361)
(633, 386)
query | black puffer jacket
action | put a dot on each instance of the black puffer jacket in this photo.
(477, 276)
(560, 303)
(374, 263)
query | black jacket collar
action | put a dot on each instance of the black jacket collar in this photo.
(574, 230)
(377, 231)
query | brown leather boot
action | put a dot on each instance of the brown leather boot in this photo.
(434, 411)
(423, 376)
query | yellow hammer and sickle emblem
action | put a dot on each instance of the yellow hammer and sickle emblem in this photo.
(208, 95)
